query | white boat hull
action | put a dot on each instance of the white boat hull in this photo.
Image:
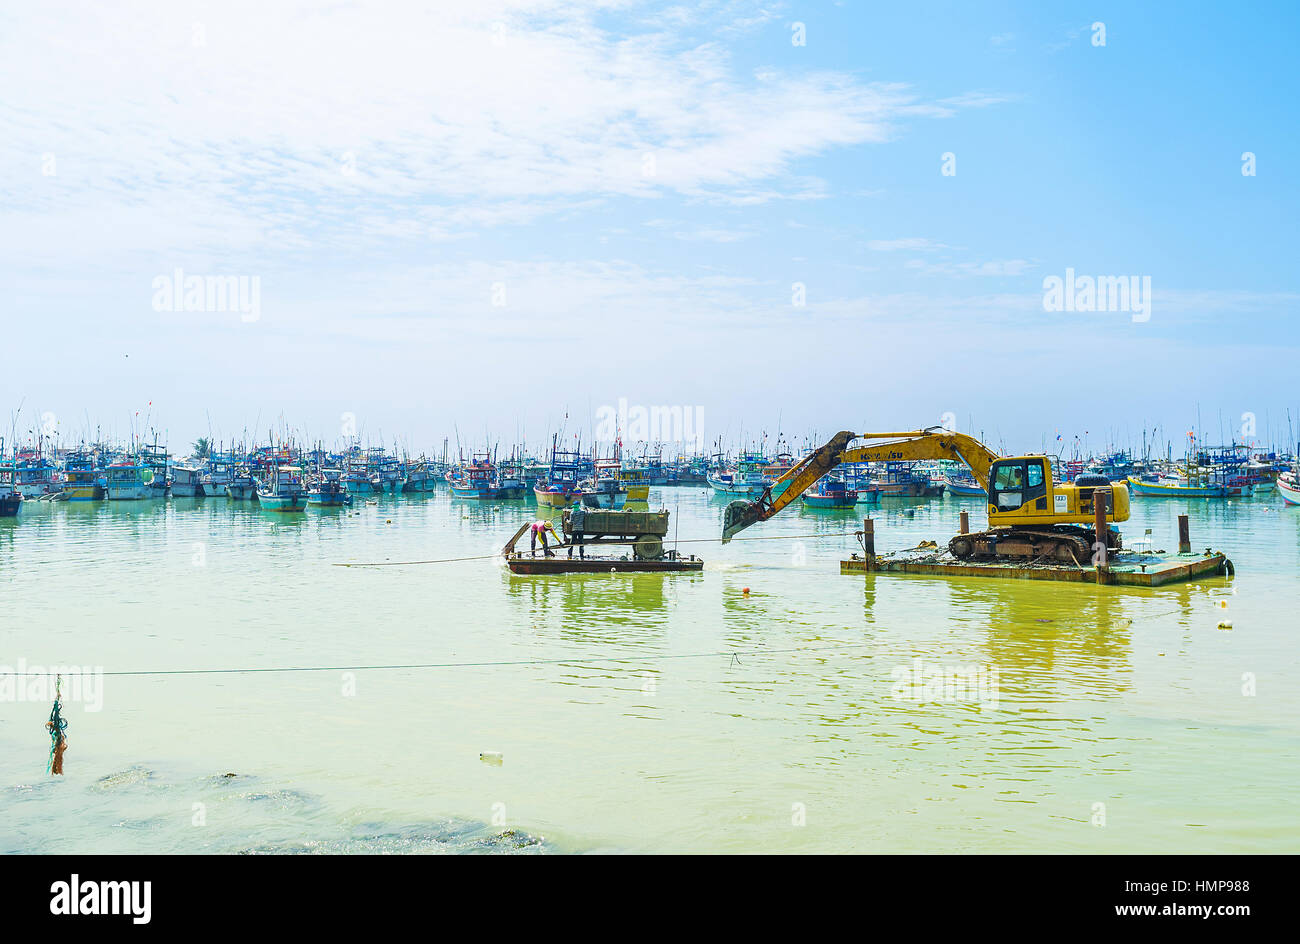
(36, 489)
(1290, 491)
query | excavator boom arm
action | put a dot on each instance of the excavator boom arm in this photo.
(935, 443)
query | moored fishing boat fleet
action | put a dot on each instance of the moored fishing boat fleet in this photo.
(281, 478)
(284, 477)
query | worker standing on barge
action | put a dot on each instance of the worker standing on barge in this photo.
(577, 518)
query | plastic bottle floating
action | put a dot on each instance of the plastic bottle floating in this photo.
(491, 757)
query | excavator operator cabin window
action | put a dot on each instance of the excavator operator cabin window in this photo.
(1008, 486)
(1035, 477)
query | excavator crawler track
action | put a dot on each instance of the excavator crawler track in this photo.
(1062, 545)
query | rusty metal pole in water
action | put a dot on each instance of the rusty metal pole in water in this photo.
(869, 539)
(965, 522)
(1099, 502)
(1184, 536)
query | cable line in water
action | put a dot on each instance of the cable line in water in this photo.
(560, 547)
(732, 654)
(729, 653)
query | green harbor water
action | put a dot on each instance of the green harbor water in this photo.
(637, 712)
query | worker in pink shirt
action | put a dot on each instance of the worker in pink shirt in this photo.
(540, 528)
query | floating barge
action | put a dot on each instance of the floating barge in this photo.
(593, 564)
(1122, 568)
(642, 531)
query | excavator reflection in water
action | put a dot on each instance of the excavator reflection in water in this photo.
(1031, 517)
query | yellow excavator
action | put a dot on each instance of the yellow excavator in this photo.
(1031, 517)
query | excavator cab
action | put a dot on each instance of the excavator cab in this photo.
(1015, 483)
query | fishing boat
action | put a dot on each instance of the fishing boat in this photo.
(216, 476)
(900, 480)
(1238, 486)
(481, 480)
(650, 467)
(777, 467)
(474, 480)
(1116, 467)
(604, 493)
(746, 479)
(360, 482)
(1263, 471)
(511, 483)
(560, 488)
(692, 471)
(857, 476)
(11, 500)
(387, 472)
(830, 493)
(34, 474)
(1174, 489)
(1234, 467)
(531, 470)
(329, 491)
(154, 459)
(242, 485)
(556, 494)
(360, 472)
(963, 486)
(283, 490)
(420, 477)
(81, 478)
(128, 480)
(187, 481)
(1288, 485)
(605, 488)
(637, 488)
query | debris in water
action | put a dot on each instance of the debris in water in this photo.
(56, 726)
(491, 757)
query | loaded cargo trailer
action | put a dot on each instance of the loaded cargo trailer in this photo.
(642, 532)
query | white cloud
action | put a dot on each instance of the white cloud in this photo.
(977, 99)
(917, 243)
(995, 268)
(246, 126)
(713, 235)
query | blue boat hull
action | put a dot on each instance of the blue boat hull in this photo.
(284, 503)
(1153, 490)
(830, 501)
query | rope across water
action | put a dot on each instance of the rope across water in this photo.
(454, 560)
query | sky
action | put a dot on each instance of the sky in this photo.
(490, 221)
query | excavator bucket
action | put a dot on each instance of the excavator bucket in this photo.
(741, 514)
(738, 516)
